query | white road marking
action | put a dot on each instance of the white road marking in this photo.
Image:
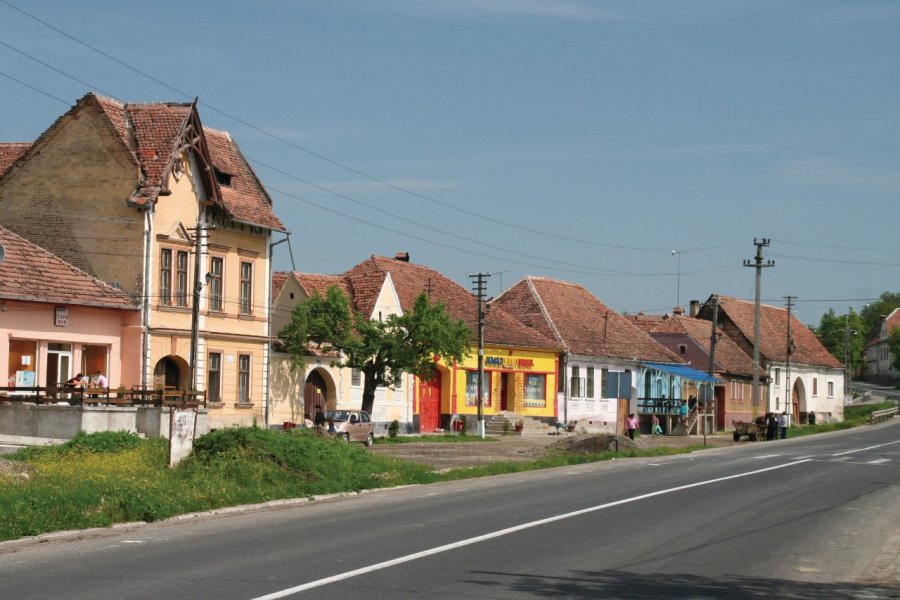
(502, 532)
(867, 448)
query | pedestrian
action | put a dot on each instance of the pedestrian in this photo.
(783, 423)
(684, 413)
(631, 425)
(771, 426)
(654, 425)
(319, 419)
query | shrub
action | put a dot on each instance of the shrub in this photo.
(393, 428)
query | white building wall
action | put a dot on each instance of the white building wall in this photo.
(822, 390)
(590, 411)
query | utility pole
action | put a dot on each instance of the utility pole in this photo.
(848, 368)
(713, 340)
(199, 232)
(788, 386)
(758, 264)
(479, 287)
(678, 253)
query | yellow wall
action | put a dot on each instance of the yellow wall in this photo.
(515, 364)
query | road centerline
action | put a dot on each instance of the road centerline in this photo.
(503, 532)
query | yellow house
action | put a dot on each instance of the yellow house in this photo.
(145, 198)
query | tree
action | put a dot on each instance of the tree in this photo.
(836, 331)
(381, 350)
(872, 313)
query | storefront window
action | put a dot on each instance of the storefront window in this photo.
(472, 388)
(22, 363)
(535, 390)
(93, 359)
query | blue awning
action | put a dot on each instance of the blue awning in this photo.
(684, 371)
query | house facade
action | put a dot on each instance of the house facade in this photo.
(603, 357)
(690, 339)
(297, 391)
(800, 381)
(879, 358)
(144, 198)
(57, 321)
(520, 366)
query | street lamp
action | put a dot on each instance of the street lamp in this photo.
(678, 253)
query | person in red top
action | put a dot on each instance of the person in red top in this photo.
(631, 424)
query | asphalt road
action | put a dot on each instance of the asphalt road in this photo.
(803, 518)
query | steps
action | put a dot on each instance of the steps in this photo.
(494, 425)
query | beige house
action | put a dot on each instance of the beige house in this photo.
(295, 392)
(144, 198)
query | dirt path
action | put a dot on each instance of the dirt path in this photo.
(446, 455)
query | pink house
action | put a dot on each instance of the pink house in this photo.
(57, 321)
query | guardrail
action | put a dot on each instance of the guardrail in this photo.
(881, 415)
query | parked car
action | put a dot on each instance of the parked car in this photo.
(353, 426)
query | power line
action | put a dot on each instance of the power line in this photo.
(340, 164)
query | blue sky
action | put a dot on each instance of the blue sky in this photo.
(571, 139)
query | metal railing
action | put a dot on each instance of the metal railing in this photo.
(882, 415)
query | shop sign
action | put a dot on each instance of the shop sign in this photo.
(61, 317)
(508, 362)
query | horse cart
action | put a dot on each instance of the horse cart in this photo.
(751, 430)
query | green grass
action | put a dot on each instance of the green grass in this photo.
(854, 416)
(105, 478)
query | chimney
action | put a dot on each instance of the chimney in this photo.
(695, 308)
(678, 311)
(402, 257)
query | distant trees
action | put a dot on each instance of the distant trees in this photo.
(837, 331)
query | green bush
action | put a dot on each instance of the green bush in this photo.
(393, 428)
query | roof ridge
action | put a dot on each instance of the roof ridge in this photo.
(546, 313)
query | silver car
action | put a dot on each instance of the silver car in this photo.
(352, 426)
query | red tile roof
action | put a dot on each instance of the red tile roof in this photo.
(773, 333)
(30, 273)
(152, 134)
(570, 314)
(729, 356)
(246, 200)
(311, 282)
(10, 153)
(410, 280)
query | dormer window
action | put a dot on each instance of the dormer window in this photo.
(682, 349)
(223, 178)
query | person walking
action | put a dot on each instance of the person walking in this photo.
(654, 425)
(771, 426)
(631, 425)
(783, 423)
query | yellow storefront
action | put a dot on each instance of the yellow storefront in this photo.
(518, 380)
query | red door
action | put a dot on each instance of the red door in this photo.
(430, 404)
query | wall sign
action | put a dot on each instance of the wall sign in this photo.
(62, 316)
(508, 362)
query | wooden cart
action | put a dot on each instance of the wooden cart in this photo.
(752, 431)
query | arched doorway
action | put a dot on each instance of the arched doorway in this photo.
(171, 372)
(798, 400)
(430, 403)
(315, 393)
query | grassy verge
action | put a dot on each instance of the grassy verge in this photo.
(854, 416)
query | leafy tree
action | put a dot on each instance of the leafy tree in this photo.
(381, 350)
(836, 331)
(873, 312)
